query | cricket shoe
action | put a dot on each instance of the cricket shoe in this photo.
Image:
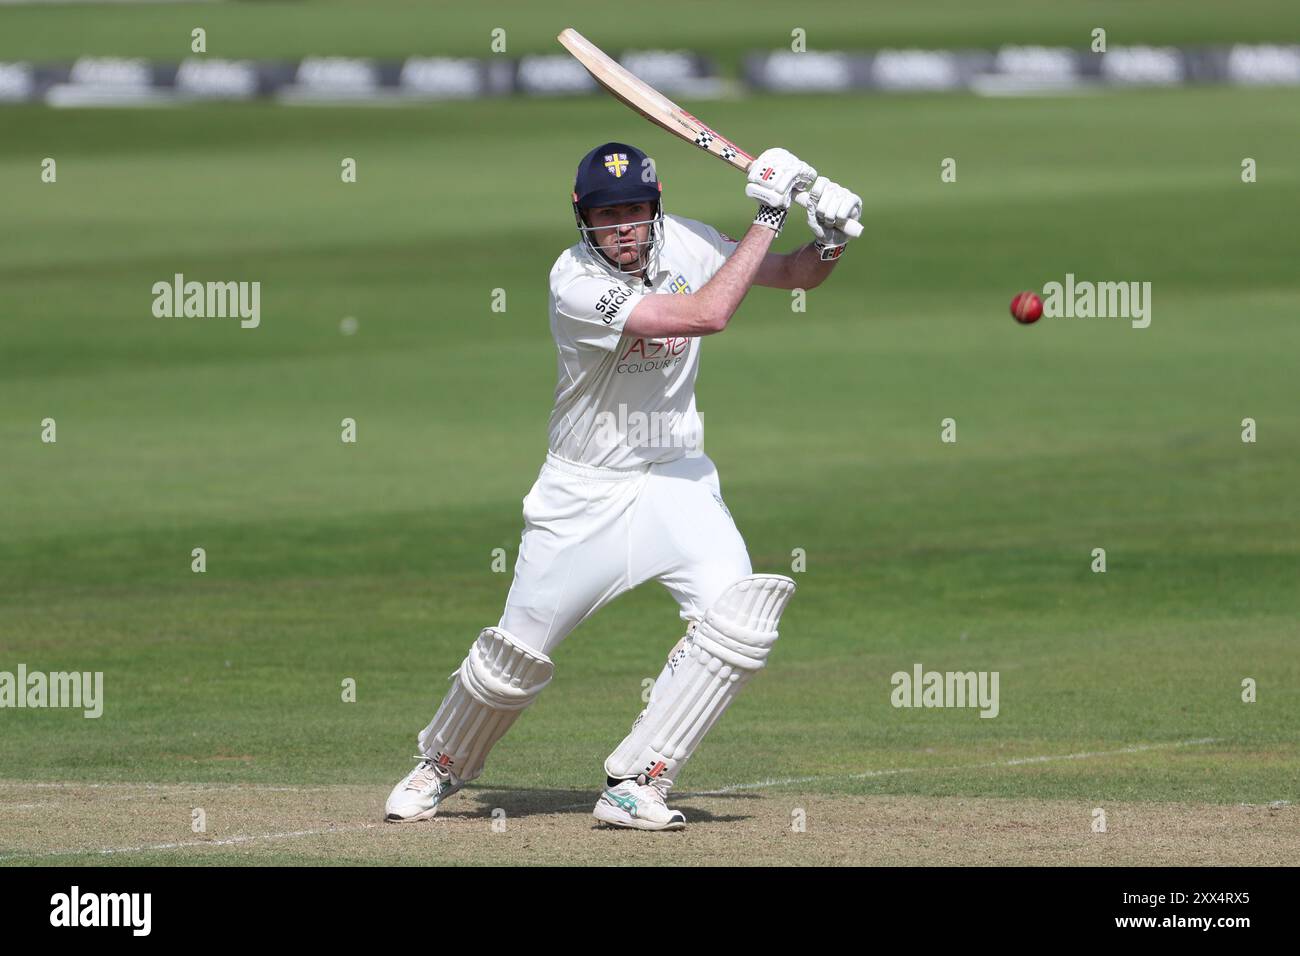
(639, 803)
(419, 794)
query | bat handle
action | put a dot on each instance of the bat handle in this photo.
(852, 227)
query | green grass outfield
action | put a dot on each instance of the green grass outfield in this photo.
(724, 29)
(328, 561)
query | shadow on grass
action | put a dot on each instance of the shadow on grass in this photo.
(525, 802)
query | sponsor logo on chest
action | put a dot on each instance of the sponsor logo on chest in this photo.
(653, 355)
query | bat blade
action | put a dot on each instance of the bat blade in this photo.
(640, 96)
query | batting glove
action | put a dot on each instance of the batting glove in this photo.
(773, 179)
(830, 206)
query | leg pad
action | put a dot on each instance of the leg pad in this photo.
(727, 648)
(498, 679)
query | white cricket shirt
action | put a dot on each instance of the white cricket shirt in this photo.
(623, 401)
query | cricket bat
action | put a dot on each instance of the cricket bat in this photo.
(663, 112)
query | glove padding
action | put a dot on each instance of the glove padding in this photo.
(775, 175)
(830, 206)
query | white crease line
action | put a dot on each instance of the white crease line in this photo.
(134, 791)
(138, 790)
(228, 841)
(161, 787)
(1015, 762)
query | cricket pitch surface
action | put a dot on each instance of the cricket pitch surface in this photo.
(52, 823)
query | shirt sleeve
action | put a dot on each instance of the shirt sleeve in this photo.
(592, 311)
(719, 246)
(722, 243)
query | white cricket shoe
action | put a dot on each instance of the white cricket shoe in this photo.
(420, 792)
(639, 803)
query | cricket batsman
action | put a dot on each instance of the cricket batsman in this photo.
(626, 494)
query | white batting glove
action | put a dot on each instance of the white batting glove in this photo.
(830, 206)
(773, 179)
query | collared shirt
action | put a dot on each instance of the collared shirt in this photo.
(624, 401)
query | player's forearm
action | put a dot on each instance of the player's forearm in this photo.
(707, 311)
(805, 269)
(722, 295)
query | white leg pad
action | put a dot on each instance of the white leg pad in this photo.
(728, 647)
(498, 679)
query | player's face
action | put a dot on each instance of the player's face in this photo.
(622, 242)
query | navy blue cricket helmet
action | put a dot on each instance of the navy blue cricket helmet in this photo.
(613, 174)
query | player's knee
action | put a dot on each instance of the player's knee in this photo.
(740, 625)
(504, 673)
(532, 627)
(714, 579)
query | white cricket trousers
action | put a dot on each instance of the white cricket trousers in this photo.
(592, 533)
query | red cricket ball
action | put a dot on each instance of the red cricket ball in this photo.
(1026, 308)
